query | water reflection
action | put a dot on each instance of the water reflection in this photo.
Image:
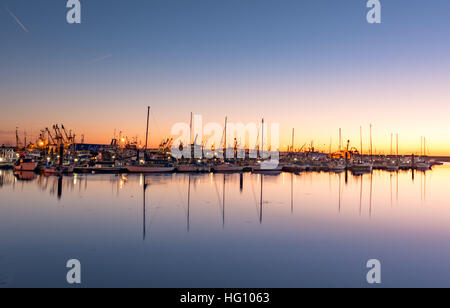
(177, 225)
(58, 186)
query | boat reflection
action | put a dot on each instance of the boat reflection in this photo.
(79, 183)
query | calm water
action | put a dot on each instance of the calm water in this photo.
(312, 229)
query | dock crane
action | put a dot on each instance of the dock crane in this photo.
(65, 133)
(59, 137)
(69, 137)
(50, 137)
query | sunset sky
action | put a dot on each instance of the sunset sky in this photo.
(312, 65)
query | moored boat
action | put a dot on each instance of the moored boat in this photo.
(6, 164)
(390, 167)
(361, 167)
(25, 164)
(422, 166)
(294, 168)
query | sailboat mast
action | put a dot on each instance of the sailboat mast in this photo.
(424, 146)
(146, 132)
(331, 142)
(397, 146)
(421, 145)
(361, 139)
(190, 131)
(262, 137)
(392, 140)
(225, 138)
(293, 135)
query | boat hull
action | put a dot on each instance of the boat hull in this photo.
(274, 170)
(5, 165)
(227, 169)
(293, 168)
(103, 170)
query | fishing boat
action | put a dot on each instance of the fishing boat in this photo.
(25, 164)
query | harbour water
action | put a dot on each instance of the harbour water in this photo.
(215, 230)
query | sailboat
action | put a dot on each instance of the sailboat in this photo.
(149, 167)
(262, 166)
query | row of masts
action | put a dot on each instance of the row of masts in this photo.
(59, 135)
(193, 141)
(394, 145)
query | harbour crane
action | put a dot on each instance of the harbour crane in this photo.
(50, 137)
(68, 137)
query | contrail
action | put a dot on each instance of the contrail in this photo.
(101, 58)
(17, 20)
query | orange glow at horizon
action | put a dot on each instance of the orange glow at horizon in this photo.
(315, 114)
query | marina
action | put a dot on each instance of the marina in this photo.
(57, 153)
(211, 146)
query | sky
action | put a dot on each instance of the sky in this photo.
(312, 65)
